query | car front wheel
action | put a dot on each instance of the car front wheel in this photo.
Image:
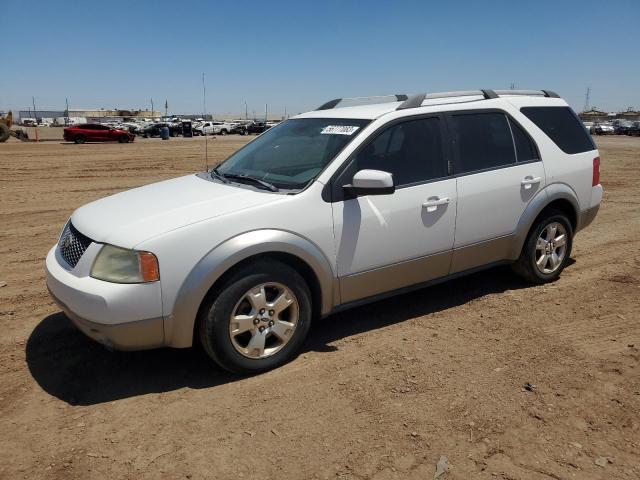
(258, 319)
(80, 139)
(547, 249)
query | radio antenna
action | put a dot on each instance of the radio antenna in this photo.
(204, 116)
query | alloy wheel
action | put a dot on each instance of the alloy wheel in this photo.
(551, 248)
(264, 320)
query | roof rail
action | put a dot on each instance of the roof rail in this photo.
(529, 93)
(484, 94)
(358, 101)
(416, 100)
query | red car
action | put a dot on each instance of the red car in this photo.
(92, 132)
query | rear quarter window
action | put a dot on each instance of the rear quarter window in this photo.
(562, 126)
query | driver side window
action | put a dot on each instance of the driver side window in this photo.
(411, 151)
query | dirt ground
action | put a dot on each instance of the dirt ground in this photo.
(382, 391)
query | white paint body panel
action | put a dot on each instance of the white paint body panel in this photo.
(491, 203)
(379, 230)
(128, 218)
(179, 250)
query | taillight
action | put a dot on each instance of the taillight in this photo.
(596, 172)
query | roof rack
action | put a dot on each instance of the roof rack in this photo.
(473, 95)
(358, 101)
(529, 93)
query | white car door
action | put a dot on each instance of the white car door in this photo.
(498, 171)
(387, 242)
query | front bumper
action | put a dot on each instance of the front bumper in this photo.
(120, 316)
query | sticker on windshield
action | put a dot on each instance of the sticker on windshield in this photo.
(339, 130)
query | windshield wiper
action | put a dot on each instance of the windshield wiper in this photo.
(242, 177)
(218, 175)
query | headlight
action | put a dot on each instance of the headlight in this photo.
(119, 265)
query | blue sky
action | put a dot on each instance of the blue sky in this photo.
(298, 54)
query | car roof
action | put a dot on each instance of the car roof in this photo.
(340, 108)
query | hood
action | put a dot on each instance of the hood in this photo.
(128, 218)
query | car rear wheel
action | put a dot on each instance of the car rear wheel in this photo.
(258, 319)
(80, 139)
(223, 132)
(547, 249)
(123, 139)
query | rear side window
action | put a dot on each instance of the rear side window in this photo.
(482, 141)
(562, 126)
(526, 151)
(412, 151)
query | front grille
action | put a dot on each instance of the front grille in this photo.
(73, 244)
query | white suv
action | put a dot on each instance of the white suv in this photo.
(357, 200)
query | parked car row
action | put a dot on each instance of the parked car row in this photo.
(616, 127)
(231, 127)
(126, 132)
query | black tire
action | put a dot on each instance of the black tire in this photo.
(213, 323)
(223, 132)
(80, 139)
(123, 139)
(4, 133)
(526, 266)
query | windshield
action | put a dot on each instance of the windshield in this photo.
(294, 152)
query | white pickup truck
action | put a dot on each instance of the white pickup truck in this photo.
(213, 128)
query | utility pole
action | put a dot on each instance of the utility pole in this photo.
(152, 107)
(246, 111)
(587, 99)
(265, 113)
(285, 113)
(35, 113)
(66, 120)
(204, 115)
(166, 107)
(513, 86)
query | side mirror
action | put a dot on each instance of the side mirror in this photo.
(371, 182)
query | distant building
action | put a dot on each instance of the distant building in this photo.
(594, 115)
(629, 115)
(95, 114)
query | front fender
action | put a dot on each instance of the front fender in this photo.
(180, 323)
(552, 192)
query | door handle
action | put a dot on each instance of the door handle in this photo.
(530, 180)
(433, 202)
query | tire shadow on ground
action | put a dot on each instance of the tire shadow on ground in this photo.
(79, 371)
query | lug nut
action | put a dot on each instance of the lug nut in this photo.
(261, 311)
(271, 323)
(261, 329)
(256, 321)
(271, 313)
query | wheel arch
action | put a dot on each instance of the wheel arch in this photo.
(236, 252)
(559, 196)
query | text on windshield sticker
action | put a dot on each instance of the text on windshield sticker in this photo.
(339, 130)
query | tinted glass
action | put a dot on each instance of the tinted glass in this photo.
(411, 151)
(294, 152)
(525, 149)
(562, 126)
(482, 140)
